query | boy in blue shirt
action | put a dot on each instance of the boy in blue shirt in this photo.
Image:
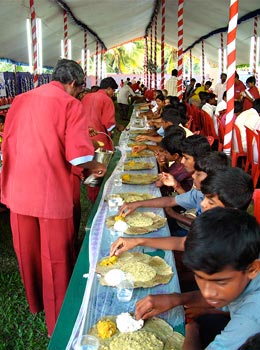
(222, 249)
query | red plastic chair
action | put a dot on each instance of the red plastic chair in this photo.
(221, 135)
(207, 126)
(250, 140)
(237, 148)
(195, 112)
(189, 123)
(256, 199)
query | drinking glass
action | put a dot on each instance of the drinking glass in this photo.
(125, 289)
(118, 181)
(87, 342)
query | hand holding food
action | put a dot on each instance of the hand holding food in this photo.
(128, 208)
(122, 245)
(153, 305)
(167, 179)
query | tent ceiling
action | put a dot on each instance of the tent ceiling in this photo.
(119, 21)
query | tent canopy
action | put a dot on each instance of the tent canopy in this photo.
(114, 22)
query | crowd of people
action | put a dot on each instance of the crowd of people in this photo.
(50, 137)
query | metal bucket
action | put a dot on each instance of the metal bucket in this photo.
(103, 156)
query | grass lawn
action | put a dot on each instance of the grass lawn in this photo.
(19, 329)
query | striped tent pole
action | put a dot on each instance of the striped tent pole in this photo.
(34, 44)
(65, 30)
(162, 44)
(151, 56)
(155, 49)
(96, 62)
(231, 63)
(202, 62)
(180, 48)
(191, 65)
(85, 53)
(145, 61)
(255, 50)
(222, 52)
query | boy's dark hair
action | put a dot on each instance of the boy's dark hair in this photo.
(210, 96)
(160, 97)
(108, 82)
(174, 72)
(224, 94)
(250, 80)
(221, 238)
(252, 343)
(209, 83)
(233, 186)
(195, 146)
(2, 119)
(175, 130)
(174, 101)
(66, 71)
(172, 144)
(238, 107)
(256, 105)
(212, 162)
(172, 115)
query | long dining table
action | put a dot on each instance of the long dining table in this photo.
(86, 300)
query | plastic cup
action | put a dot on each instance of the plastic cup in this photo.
(125, 289)
(118, 181)
(87, 342)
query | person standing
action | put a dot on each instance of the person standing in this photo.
(220, 87)
(46, 133)
(171, 84)
(123, 100)
(100, 110)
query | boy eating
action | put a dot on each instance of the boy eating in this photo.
(222, 249)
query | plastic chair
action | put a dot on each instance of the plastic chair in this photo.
(237, 148)
(256, 159)
(189, 122)
(256, 199)
(195, 112)
(207, 126)
(221, 135)
(250, 140)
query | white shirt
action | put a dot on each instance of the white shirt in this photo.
(249, 118)
(124, 93)
(219, 90)
(210, 109)
(171, 86)
(221, 106)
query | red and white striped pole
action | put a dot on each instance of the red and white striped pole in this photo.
(162, 44)
(191, 65)
(65, 30)
(222, 52)
(85, 53)
(202, 62)
(151, 56)
(180, 48)
(255, 50)
(97, 62)
(155, 49)
(34, 43)
(231, 63)
(145, 61)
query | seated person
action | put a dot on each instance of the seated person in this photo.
(231, 188)
(222, 249)
(170, 116)
(249, 95)
(171, 153)
(156, 111)
(221, 106)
